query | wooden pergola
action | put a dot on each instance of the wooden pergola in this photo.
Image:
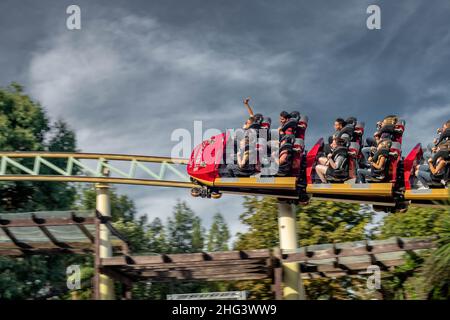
(78, 232)
(353, 258)
(51, 232)
(328, 260)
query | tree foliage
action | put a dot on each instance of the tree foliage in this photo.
(24, 126)
(122, 207)
(183, 230)
(218, 235)
(425, 275)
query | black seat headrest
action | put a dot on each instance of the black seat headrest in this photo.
(291, 123)
(295, 115)
(258, 118)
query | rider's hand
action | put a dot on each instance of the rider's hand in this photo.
(246, 100)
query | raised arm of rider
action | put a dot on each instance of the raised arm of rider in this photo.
(249, 109)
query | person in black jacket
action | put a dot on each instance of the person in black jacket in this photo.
(435, 172)
(336, 163)
(379, 163)
(339, 125)
(385, 131)
(444, 134)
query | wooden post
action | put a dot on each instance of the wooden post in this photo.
(278, 288)
(127, 295)
(97, 260)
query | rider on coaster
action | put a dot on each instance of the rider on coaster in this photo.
(385, 130)
(244, 166)
(379, 163)
(254, 120)
(443, 138)
(344, 129)
(444, 134)
(335, 164)
(241, 165)
(339, 124)
(346, 133)
(285, 154)
(284, 119)
(251, 118)
(291, 132)
(436, 171)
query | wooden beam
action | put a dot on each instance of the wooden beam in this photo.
(363, 250)
(86, 232)
(221, 277)
(354, 267)
(52, 239)
(121, 261)
(17, 223)
(17, 243)
(43, 246)
(205, 270)
(42, 251)
(117, 275)
(11, 252)
(189, 257)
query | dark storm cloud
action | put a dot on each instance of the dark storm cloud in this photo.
(139, 69)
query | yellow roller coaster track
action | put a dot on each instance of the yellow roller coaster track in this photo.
(143, 170)
(73, 167)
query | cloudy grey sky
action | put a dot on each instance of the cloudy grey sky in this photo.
(139, 69)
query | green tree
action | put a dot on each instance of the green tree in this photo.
(318, 223)
(425, 275)
(185, 234)
(261, 217)
(157, 236)
(436, 270)
(181, 230)
(123, 214)
(331, 222)
(416, 222)
(122, 207)
(197, 235)
(135, 233)
(219, 234)
(24, 126)
(56, 195)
